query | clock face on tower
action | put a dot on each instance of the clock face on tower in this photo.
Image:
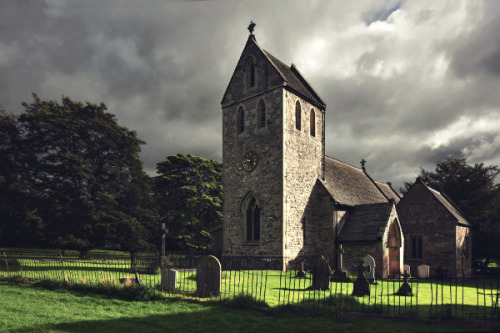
(249, 161)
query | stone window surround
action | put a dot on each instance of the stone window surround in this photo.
(250, 78)
(240, 120)
(244, 209)
(261, 114)
(418, 248)
(298, 116)
(312, 123)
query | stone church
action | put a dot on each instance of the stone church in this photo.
(284, 200)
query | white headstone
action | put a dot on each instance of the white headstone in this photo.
(368, 261)
(406, 268)
(423, 271)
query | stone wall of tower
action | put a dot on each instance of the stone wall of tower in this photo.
(265, 182)
(302, 164)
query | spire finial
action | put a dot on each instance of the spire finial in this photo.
(363, 162)
(251, 27)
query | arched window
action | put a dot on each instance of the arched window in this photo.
(262, 114)
(313, 123)
(298, 115)
(253, 221)
(250, 72)
(240, 122)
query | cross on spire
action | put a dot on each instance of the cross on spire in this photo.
(251, 27)
(363, 162)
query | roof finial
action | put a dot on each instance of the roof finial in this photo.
(251, 27)
(363, 162)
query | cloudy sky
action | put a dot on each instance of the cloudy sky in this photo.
(406, 83)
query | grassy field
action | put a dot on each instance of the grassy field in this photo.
(27, 308)
(469, 299)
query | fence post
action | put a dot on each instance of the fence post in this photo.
(62, 267)
(7, 265)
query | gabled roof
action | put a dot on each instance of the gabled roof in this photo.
(294, 80)
(447, 203)
(291, 77)
(349, 185)
(388, 191)
(366, 222)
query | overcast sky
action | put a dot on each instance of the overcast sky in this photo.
(406, 83)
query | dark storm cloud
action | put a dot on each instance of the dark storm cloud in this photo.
(407, 83)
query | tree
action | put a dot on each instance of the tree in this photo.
(19, 225)
(473, 189)
(188, 193)
(85, 174)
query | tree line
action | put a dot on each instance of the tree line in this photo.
(71, 178)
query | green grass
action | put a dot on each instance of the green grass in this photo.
(27, 308)
(455, 299)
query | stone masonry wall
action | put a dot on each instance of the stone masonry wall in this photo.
(421, 214)
(303, 162)
(265, 181)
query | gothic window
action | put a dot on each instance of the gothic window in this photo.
(313, 123)
(298, 114)
(253, 221)
(250, 72)
(262, 114)
(240, 123)
(416, 247)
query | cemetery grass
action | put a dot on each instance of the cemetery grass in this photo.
(30, 308)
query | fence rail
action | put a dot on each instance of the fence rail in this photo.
(476, 298)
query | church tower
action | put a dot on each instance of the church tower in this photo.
(273, 156)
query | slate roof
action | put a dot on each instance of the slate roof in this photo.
(349, 185)
(449, 205)
(366, 222)
(388, 191)
(294, 80)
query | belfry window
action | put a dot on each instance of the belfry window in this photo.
(253, 221)
(262, 114)
(250, 72)
(298, 115)
(240, 122)
(312, 127)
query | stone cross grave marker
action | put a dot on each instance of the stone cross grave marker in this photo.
(423, 271)
(369, 262)
(208, 277)
(361, 285)
(406, 269)
(321, 274)
(169, 278)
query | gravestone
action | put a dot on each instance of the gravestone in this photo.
(208, 277)
(321, 274)
(406, 269)
(301, 272)
(369, 262)
(169, 278)
(361, 285)
(341, 273)
(405, 289)
(423, 271)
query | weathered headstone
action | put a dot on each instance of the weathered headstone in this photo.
(405, 289)
(406, 269)
(361, 285)
(369, 262)
(208, 277)
(169, 279)
(423, 271)
(321, 274)
(301, 272)
(341, 273)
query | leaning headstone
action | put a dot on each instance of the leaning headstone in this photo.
(361, 285)
(423, 271)
(405, 289)
(208, 277)
(169, 279)
(321, 274)
(369, 262)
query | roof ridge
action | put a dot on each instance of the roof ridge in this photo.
(348, 164)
